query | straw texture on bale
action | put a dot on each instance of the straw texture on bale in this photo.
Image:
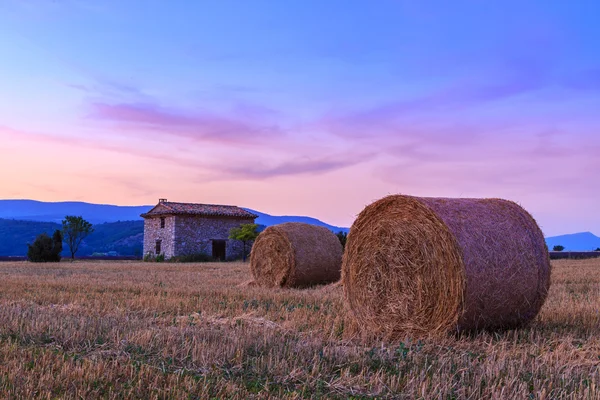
(430, 265)
(294, 255)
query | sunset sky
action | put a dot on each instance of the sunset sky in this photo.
(303, 107)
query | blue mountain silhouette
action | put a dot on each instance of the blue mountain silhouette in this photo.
(583, 241)
(32, 210)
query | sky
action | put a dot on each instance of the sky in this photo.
(303, 107)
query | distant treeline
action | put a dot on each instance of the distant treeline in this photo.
(557, 255)
(106, 258)
(13, 258)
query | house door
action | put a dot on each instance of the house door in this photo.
(218, 249)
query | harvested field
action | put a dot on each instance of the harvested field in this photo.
(151, 330)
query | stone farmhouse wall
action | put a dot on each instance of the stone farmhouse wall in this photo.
(153, 232)
(195, 235)
(189, 234)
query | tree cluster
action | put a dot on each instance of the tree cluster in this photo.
(46, 248)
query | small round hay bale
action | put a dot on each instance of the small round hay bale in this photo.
(296, 254)
(429, 265)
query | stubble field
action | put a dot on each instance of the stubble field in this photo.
(151, 330)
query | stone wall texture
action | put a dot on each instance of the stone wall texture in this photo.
(153, 232)
(190, 234)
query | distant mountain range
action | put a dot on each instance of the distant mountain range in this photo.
(32, 210)
(584, 241)
(268, 220)
(120, 228)
(117, 228)
(124, 238)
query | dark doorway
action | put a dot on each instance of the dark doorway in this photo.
(218, 249)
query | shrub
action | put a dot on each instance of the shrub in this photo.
(57, 244)
(45, 248)
(558, 247)
(246, 233)
(149, 257)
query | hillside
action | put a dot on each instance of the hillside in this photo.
(32, 210)
(124, 237)
(584, 241)
(16, 235)
(117, 228)
(23, 220)
(268, 220)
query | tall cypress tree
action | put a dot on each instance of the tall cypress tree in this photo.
(57, 245)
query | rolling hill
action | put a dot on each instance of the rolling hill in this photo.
(125, 237)
(268, 220)
(32, 210)
(120, 228)
(117, 228)
(584, 241)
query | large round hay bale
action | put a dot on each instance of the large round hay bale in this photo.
(428, 265)
(296, 254)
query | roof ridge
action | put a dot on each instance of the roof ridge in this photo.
(201, 204)
(165, 204)
(172, 207)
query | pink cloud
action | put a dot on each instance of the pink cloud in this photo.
(513, 165)
(301, 166)
(398, 117)
(200, 125)
(248, 167)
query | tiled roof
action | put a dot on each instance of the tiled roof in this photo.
(170, 208)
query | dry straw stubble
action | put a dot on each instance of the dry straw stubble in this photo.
(295, 255)
(432, 265)
(145, 330)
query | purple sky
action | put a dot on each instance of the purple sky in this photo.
(303, 107)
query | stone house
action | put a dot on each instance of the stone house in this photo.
(177, 229)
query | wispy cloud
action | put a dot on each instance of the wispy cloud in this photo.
(300, 166)
(398, 117)
(252, 166)
(199, 125)
(90, 143)
(109, 88)
(551, 163)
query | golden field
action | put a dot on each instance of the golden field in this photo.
(187, 331)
